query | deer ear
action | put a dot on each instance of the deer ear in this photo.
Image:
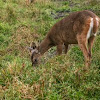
(29, 48)
(33, 45)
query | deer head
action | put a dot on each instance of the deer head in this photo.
(34, 53)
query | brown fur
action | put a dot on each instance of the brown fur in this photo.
(72, 29)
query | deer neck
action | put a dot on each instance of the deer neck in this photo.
(44, 46)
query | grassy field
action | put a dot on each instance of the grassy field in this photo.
(57, 77)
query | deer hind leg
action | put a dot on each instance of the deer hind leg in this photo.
(59, 49)
(27, 2)
(91, 39)
(82, 42)
(90, 44)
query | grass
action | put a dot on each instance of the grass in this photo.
(57, 77)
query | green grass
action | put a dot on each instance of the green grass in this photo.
(57, 77)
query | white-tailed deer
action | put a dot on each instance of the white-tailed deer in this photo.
(77, 28)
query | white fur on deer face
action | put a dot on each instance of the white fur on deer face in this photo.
(34, 55)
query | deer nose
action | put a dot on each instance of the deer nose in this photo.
(35, 60)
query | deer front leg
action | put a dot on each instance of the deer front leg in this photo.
(59, 49)
(82, 42)
(66, 48)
